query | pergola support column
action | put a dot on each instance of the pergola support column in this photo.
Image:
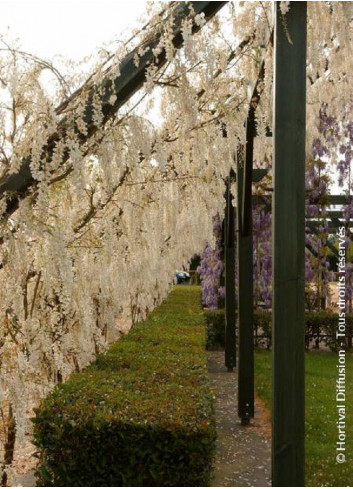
(289, 247)
(245, 305)
(229, 255)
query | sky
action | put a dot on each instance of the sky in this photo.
(72, 28)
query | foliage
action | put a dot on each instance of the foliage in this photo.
(141, 414)
(215, 334)
(119, 203)
(211, 268)
(321, 415)
(334, 136)
(326, 323)
(215, 328)
(319, 327)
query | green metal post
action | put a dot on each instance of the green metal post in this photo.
(288, 454)
(229, 254)
(245, 304)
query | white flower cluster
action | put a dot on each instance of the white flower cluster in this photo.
(94, 248)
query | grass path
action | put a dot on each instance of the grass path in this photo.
(322, 470)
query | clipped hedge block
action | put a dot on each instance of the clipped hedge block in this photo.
(324, 325)
(320, 327)
(141, 415)
(215, 329)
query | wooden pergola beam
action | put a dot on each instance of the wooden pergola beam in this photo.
(246, 175)
(245, 295)
(229, 258)
(288, 453)
(246, 372)
(333, 199)
(123, 87)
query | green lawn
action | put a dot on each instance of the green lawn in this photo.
(321, 431)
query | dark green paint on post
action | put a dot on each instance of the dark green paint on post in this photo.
(229, 254)
(288, 454)
(245, 301)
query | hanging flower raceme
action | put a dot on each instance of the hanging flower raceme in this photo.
(212, 267)
(120, 196)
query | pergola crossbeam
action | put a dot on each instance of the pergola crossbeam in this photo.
(123, 87)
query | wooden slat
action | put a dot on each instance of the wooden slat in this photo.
(245, 304)
(124, 86)
(288, 454)
(229, 254)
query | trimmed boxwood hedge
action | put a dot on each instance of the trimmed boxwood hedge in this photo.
(142, 414)
(319, 326)
(215, 328)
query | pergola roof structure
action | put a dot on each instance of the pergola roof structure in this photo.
(123, 87)
(289, 233)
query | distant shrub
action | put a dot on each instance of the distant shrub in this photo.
(215, 329)
(320, 328)
(323, 325)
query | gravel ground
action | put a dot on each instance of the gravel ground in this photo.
(243, 452)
